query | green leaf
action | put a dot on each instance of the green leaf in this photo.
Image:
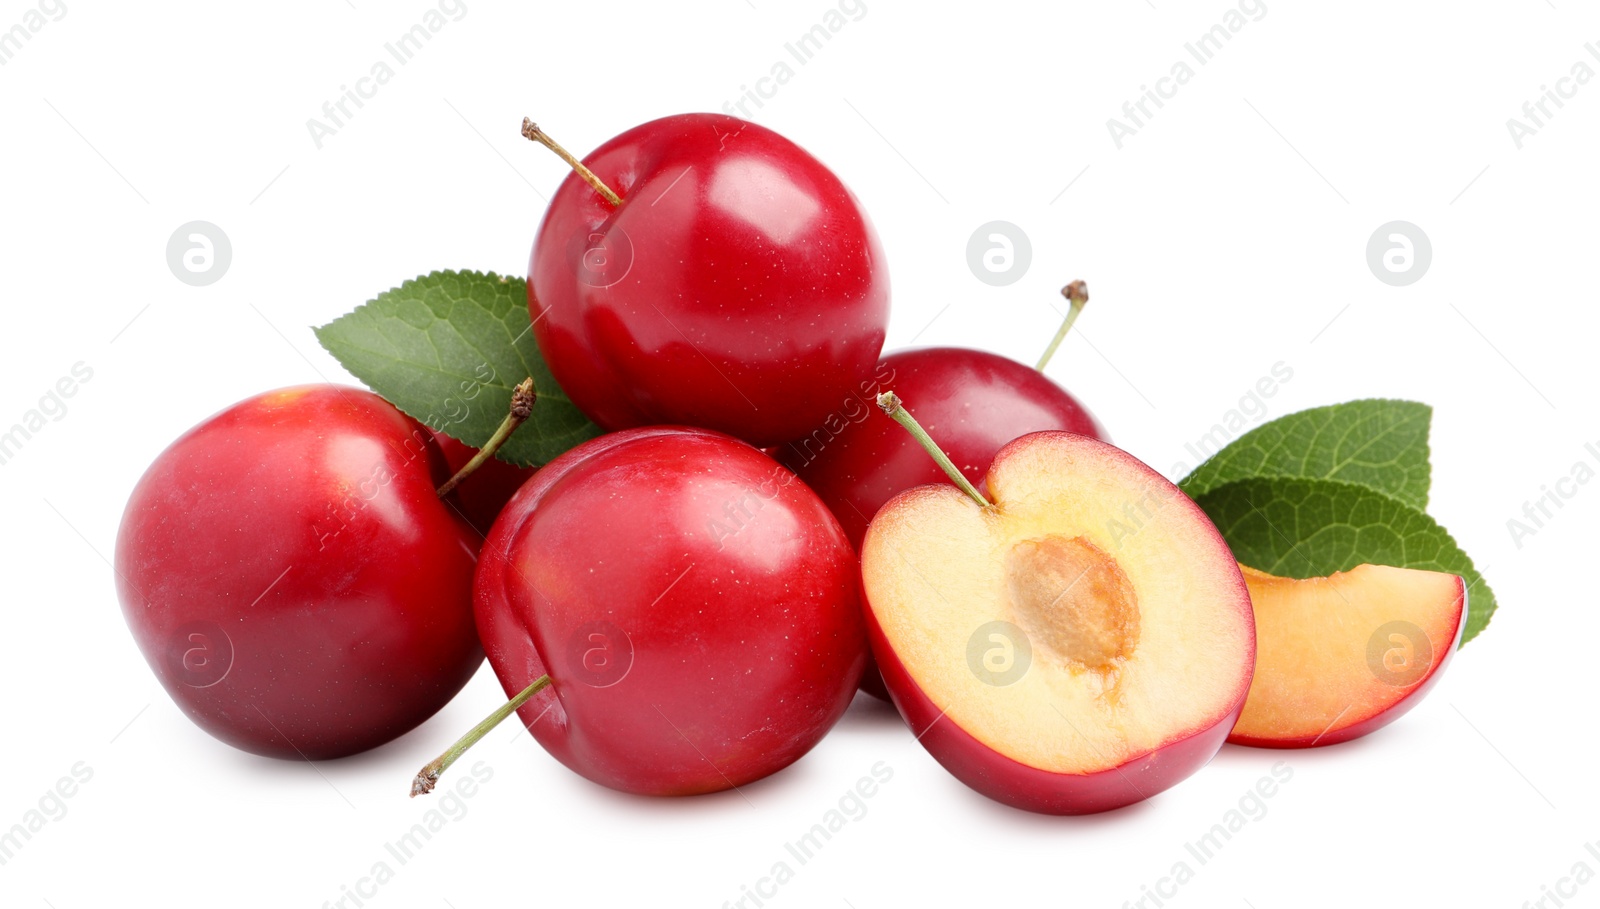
(1311, 528)
(448, 349)
(1378, 443)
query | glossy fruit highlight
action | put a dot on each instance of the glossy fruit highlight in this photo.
(293, 580)
(695, 606)
(736, 283)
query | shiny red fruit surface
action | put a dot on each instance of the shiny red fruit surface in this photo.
(487, 490)
(696, 607)
(971, 402)
(292, 579)
(739, 286)
(1029, 788)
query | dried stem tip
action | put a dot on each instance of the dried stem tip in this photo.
(428, 776)
(424, 782)
(889, 402)
(522, 398)
(1077, 293)
(532, 131)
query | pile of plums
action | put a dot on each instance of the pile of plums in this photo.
(689, 602)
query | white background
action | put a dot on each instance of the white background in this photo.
(1225, 236)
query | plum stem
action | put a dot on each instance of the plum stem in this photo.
(532, 131)
(522, 398)
(1077, 293)
(889, 402)
(428, 776)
